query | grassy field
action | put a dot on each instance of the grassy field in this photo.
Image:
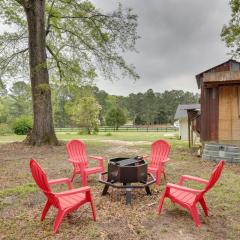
(21, 202)
(124, 136)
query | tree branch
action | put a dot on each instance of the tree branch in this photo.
(13, 39)
(90, 47)
(49, 18)
(61, 74)
(83, 17)
(24, 3)
(5, 62)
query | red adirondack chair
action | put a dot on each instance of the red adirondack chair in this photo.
(67, 201)
(189, 197)
(159, 156)
(76, 150)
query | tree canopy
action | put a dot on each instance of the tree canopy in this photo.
(81, 40)
(115, 117)
(231, 31)
(85, 113)
(66, 100)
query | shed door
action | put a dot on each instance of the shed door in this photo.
(209, 114)
(229, 113)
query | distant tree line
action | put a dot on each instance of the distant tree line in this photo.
(87, 106)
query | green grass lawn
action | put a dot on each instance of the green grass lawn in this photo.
(123, 136)
(21, 202)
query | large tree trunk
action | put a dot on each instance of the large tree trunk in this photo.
(43, 129)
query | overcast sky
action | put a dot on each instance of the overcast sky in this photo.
(179, 39)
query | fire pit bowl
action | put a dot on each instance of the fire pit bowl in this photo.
(128, 173)
(127, 170)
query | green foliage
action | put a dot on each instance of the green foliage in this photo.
(141, 108)
(108, 134)
(149, 106)
(4, 129)
(83, 131)
(115, 117)
(15, 102)
(101, 97)
(22, 125)
(20, 94)
(231, 31)
(85, 113)
(81, 40)
(139, 120)
(61, 95)
(157, 108)
(95, 131)
(5, 103)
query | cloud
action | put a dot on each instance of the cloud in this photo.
(179, 39)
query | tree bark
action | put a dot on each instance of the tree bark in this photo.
(43, 128)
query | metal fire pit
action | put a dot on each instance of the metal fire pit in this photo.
(122, 172)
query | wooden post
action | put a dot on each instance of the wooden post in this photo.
(238, 100)
(191, 133)
(189, 136)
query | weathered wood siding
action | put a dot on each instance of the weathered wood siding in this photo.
(209, 113)
(229, 113)
(221, 76)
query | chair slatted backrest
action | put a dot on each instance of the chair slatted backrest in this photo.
(215, 175)
(77, 151)
(42, 182)
(159, 152)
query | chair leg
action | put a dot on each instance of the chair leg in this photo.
(89, 199)
(204, 206)
(84, 179)
(73, 176)
(165, 178)
(93, 210)
(45, 210)
(195, 216)
(58, 220)
(161, 202)
(158, 179)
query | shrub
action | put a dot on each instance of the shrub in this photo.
(22, 125)
(108, 134)
(5, 129)
(115, 117)
(95, 130)
(83, 131)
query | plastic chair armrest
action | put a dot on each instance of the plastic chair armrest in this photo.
(95, 157)
(196, 179)
(186, 189)
(100, 159)
(61, 180)
(73, 161)
(73, 191)
(166, 160)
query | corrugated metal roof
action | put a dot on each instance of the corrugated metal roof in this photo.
(181, 111)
